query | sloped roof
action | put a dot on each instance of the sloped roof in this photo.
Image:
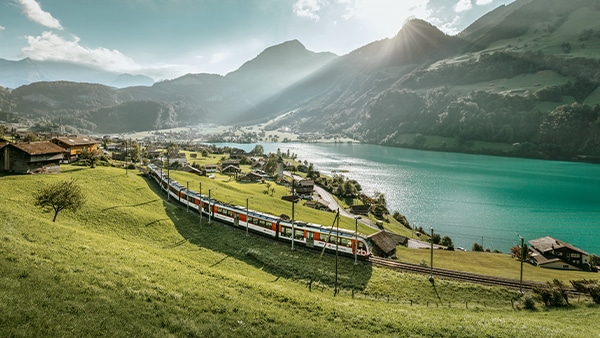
(384, 241)
(37, 148)
(547, 244)
(76, 140)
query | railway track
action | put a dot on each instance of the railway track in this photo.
(454, 275)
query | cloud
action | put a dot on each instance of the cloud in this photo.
(35, 13)
(50, 46)
(2, 28)
(219, 57)
(483, 2)
(463, 6)
(307, 9)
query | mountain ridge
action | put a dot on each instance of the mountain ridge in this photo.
(523, 86)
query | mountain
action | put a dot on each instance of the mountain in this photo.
(523, 80)
(224, 98)
(26, 71)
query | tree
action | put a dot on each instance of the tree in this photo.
(447, 242)
(63, 195)
(258, 150)
(477, 247)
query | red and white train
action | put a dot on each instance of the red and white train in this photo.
(302, 233)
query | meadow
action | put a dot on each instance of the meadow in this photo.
(131, 263)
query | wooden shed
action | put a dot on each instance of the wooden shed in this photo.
(31, 157)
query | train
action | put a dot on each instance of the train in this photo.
(310, 235)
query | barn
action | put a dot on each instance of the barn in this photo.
(31, 157)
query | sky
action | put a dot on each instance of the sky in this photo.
(165, 39)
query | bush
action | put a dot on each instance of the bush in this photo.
(553, 294)
(589, 286)
(528, 301)
(477, 247)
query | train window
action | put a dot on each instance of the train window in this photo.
(345, 242)
(310, 235)
(361, 245)
(286, 232)
(299, 234)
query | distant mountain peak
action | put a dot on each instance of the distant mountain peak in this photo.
(291, 53)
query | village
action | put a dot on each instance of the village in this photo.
(45, 157)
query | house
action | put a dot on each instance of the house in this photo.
(211, 168)
(360, 209)
(188, 168)
(547, 252)
(230, 169)
(250, 177)
(384, 243)
(235, 163)
(304, 188)
(318, 204)
(75, 145)
(31, 157)
(258, 165)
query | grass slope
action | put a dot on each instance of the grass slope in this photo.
(132, 264)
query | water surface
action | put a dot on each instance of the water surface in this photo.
(471, 198)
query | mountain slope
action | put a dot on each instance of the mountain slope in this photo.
(523, 77)
(26, 71)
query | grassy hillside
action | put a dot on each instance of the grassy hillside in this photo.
(131, 264)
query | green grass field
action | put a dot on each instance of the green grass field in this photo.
(132, 264)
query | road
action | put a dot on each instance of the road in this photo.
(333, 204)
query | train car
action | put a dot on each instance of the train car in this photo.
(318, 236)
(302, 233)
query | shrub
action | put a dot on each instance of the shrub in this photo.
(589, 286)
(528, 301)
(477, 247)
(553, 294)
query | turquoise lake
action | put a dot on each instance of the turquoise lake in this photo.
(471, 198)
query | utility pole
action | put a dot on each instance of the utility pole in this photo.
(209, 208)
(356, 218)
(431, 261)
(522, 254)
(126, 165)
(247, 216)
(168, 178)
(293, 202)
(200, 204)
(337, 240)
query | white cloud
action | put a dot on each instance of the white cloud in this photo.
(50, 46)
(483, 2)
(37, 14)
(2, 28)
(220, 57)
(463, 5)
(307, 8)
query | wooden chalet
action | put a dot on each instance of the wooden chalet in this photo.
(547, 252)
(235, 163)
(230, 169)
(384, 243)
(304, 188)
(31, 157)
(75, 145)
(360, 209)
(190, 169)
(250, 177)
(211, 168)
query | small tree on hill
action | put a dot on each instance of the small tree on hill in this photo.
(447, 242)
(59, 196)
(477, 247)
